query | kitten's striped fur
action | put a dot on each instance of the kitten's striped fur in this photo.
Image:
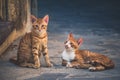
(84, 58)
(33, 44)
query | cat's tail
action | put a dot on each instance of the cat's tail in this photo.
(13, 60)
(110, 65)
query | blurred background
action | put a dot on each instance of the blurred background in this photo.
(79, 16)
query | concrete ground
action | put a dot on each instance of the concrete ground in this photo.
(96, 22)
(105, 45)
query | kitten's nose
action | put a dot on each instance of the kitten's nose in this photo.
(39, 30)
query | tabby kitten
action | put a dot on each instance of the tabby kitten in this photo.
(33, 44)
(73, 57)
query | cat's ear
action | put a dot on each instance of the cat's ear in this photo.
(33, 18)
(46, 18)
(80, 41)
(70, 35)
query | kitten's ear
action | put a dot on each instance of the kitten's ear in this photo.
(46, 18)
(80, 41)
(33, 18)
(70, 35)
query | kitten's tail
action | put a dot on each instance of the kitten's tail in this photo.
(13, 60)
(110, 65)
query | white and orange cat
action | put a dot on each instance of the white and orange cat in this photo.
(73, 57)
(33, 44)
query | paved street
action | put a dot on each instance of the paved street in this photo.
(97, 22)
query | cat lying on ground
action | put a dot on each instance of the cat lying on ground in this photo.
(73, 57)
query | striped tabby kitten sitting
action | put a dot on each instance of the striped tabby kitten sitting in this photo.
(33, 44)
(73, 57)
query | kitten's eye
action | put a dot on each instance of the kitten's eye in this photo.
(36, 26)
(42, 27)
(71, 43)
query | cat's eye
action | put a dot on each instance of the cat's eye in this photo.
(42, 27)
(71, 43)
(36, 26)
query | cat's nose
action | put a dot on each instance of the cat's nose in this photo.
(39, 30)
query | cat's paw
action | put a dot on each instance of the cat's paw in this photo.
(50, 65)
(36, 66)
(69, 65)
(92, 68)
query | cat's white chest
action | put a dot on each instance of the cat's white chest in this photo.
(68, 56)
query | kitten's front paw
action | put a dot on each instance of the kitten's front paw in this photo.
(69, 65)
(50, 65)
(92, 68)
(36, 66)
